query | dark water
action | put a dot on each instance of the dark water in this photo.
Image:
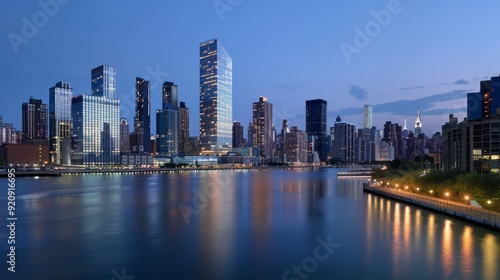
(234, 225)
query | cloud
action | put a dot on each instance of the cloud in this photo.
(401, 107)
(410, 88)
(461, 82)
(288, 87)
(358, 92)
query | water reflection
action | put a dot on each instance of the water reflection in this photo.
(242, 225)
(419, 234)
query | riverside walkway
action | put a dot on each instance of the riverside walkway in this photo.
(483, 217)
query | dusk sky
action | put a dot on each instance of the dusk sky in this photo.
(428, 54)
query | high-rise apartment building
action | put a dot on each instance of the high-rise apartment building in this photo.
(343, 141)
(316, 116)
(183, 128)
(142, 120)
(34, 121)
(124, 136)
(238, 141)
(216, 98)
(60, 97)
(263, 127)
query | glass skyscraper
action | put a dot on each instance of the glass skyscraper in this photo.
(142, 120)
(96, 122)
(216, 98)
(316, 125)
(60, 122)
(167, 122)
(103, 81)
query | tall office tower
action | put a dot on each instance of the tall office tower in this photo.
(238, 141)
(34, 119)
(167, 122)
(343, 141)
(60, 123)
(167, 132)
(103, 81)
(216, 98)
(365, 146)
(296, 145)
(124, 136)
(250, 135)
(367, 120)
(393, 135)
(183, 128)
(142, 119)
(96, 122)
(284, 136)
(170, 96)
(418, 124)
(316, 125)
(263, 127)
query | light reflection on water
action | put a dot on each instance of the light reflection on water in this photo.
(242, 225)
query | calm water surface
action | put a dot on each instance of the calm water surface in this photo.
(234, 225)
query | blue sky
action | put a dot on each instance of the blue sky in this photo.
(427, 54)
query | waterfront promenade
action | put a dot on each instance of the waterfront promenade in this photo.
(476, 215)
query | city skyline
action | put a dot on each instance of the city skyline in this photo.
(315, 45)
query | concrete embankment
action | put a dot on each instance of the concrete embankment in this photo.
(478, 216)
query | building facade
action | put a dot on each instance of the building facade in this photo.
(124, 136)
(296, 146)
(60, 97)
(262, 123)
(34, 121)
(238, 140)
(316, 116)
(343, 141)
(183, 128)
(216, 98)
(368, 116)
(142, 120)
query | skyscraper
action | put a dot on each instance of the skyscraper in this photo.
(284, 136)
(216, 98)
(34, 120)
(263, 127)
(96, 122)
(124, 136)
(183, 128)
(167, 122)
(367, 120)
(142, 119)
(238, 135)
(170, 96)
(60, 97)
(103, 81)
(296, 145)
(343, 141)
(316, 125)
(418, 124)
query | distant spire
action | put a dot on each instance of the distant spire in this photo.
(404, 127)
(418, 123)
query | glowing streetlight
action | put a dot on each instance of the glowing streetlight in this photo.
(406, 187)
(489, 210)
(447, 196)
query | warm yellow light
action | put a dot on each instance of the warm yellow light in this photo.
(418, 189)
(489, 201)
(431, 191)
(406, 187)
(447, 194)
(466, 197)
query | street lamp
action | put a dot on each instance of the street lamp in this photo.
(447, 196)
(468, 202)
(489, 210)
